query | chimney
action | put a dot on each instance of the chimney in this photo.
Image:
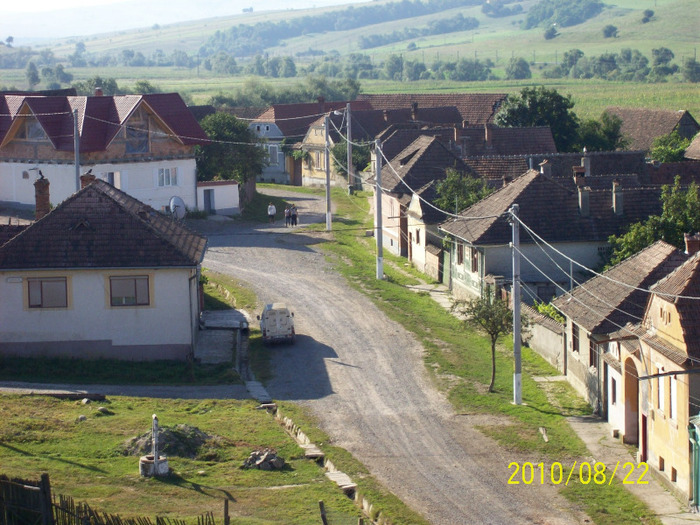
(546, 168)
(98, 91)
(617, 198)
(584, 195)
(321, 104)
(86, 179)
(507, 179)
(386, 115)
(414, 111)
(692, 243)
(42, 197)
(586, 163)
(579, 175)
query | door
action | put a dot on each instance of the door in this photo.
(209, 202)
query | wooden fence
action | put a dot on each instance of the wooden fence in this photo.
(30, 503)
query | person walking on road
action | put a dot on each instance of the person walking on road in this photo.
(271, 212)
(293, 212)
(287, 216)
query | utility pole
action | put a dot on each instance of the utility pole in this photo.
(517, 374)
(76, 148)
(351, 180)
(378, 208)
(328, 176)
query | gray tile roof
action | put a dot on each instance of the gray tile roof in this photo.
(103, 227)
(642, 125)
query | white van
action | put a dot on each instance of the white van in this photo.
(277, 323)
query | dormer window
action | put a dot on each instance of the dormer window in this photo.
(31, 130)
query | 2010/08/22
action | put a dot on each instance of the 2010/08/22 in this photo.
(586, 473)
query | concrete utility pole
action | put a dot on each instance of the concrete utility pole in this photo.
(378, 208)
(351, 180)
(76, 148)
(517, 374)
(328, 176)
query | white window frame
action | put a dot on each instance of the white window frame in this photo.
(673, 396)
(167, 177)
(273, 154)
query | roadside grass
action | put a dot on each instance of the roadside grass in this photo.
(222, 292)
(114, 372)
(85, 460)
(460, 362)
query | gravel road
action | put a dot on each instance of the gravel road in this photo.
(363, 376)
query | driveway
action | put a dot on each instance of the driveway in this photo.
(362, 375)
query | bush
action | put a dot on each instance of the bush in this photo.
(610, 31)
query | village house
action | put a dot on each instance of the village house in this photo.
(575, 215)
(283, 125)
(424, 161)
(596, 312)
(660, 388)
(141, 144)
(101, 275)
(642, 125)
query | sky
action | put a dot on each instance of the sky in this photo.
(30, 22)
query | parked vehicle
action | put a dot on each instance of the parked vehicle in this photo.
(277, 323)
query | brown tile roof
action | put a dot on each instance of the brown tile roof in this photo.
(492, 140)
(427, 195)
(396, 138)
(475, 108)
(549, 206)
(685, 282)
(607, 302)
(666, 172)
(541, 319)
(424, 160)
(8, 231)
(103, 227)
(641, 126)
(693, 151)
(294, 120)
(99, 118)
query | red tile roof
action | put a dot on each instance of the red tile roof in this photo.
(99, 117)
(103, 227)
(492, 140)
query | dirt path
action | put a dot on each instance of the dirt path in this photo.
(363, 376)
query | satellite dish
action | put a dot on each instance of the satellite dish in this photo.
(177, 207)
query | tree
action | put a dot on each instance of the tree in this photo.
(32, 75)
(518, 69)
(457, 191)
(145, 87)
(602, 135)
(691, 70)
(648, 15)
(669, 148)
(550, 33)
(540, 106)
(9, 40)
(393, 67)
(361, 156)
(233, 153)
(610, 31)
(491, 315)
(680, 214)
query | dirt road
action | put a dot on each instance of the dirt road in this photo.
(363, 376)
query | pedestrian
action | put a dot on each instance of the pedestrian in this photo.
(293, 212)
(287, 217)
(271, 212)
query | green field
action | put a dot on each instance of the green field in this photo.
(674, 26)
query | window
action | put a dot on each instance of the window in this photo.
(475, 259)
(460, 253)
(272, 153)
(31, 130)
(129, 291)
(167, 177)
(49, 292)
(613, 391)
(418, 237)
(661, 391)
(574, 337)
(317, 164)
(673, 393)
(114, 178)
(137, 140)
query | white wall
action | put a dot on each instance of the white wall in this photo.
(138, 179)
(226, 197)
(89, 316)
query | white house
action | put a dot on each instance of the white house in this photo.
(141, 144)
(102, 275)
